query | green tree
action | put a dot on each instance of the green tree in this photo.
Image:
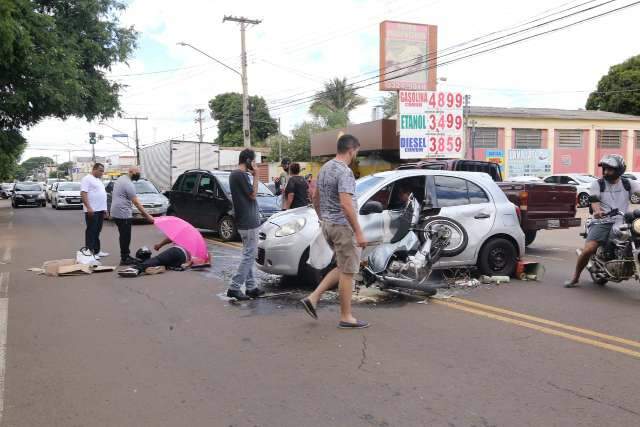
(64, 168)
(619, 90)
(34, 165)
(12, 144)
(226, 108)
(390, 104)
(55, 54)
(333, 104)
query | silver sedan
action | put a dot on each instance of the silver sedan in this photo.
(487, 232)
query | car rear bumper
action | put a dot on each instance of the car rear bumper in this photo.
(552, 224)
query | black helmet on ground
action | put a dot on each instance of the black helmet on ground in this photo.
(143, 254)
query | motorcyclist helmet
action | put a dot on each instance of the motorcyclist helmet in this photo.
(143, 254)
(615, 162)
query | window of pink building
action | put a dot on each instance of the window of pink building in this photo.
(486, 138)
(637, 134)
(528, 138)
(570, 138)
(610, 138)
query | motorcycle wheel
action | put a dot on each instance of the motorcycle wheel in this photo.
(598, 280)
(459, 237)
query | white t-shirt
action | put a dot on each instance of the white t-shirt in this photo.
(95, 192)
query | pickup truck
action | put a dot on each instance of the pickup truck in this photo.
(541, 206)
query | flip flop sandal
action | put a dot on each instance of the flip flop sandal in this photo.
(309, 308)
(360, 324)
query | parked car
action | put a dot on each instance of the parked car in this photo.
(487, 235)
(28, 194)
(582, 182)
(542, 206)
(66, 195)
(5, 190)
(153, 201)
(203, 198)
(633, 176)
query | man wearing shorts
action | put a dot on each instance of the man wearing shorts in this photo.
(610, 193)
(334, 203)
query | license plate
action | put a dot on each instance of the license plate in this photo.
(75, 200)
(553, 223)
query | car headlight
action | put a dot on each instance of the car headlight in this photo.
(636, 226)
(291, 227)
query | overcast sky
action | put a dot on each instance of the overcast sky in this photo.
(301, 44)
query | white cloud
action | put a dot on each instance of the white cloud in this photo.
(312, 41)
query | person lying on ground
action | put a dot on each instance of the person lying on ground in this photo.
(175, 258)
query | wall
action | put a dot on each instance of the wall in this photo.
(583, 160)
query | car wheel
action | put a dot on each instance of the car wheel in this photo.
(498, 257)
(458, 240)
(635, 199)
(307, 275)
(583, 200)
(227, 229)
(530, 236)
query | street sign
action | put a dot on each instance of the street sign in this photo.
(431, 125)
(92, 137)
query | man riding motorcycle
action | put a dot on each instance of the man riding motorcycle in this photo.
(611, 192)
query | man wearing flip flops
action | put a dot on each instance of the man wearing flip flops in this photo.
(334, 202)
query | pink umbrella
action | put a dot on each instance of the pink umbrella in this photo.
(185, 235)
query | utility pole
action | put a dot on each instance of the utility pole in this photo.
(57, 171)
(246, 124)
(279, 142)
(199, 120)
(135, 119)
(473, 139)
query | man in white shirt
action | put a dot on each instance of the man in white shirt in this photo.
(94, 199)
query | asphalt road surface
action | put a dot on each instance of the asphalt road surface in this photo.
(166, 350)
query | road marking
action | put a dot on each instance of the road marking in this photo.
(571, 328)
(458, 305)
(229, 245)
(4, 310)
(6, 257)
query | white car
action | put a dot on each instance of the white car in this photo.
(65, 195)
(633, 176)
(489, 234)
(582, 182)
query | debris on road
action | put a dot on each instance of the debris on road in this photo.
(69, 267)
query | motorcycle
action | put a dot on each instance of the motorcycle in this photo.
(407, 260)
(618, 259)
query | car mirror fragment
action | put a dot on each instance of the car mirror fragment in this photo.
(572, 183)
(370, 207)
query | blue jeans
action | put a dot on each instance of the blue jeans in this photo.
(245, 275)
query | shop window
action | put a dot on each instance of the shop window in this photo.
(486, 138)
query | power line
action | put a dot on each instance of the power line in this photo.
(438, 64)
(306, 100)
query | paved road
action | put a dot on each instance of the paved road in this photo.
(167, 351)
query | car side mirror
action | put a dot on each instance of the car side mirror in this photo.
(209, 192)
(572, 183)
(371, 207)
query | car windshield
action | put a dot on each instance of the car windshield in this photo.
(366, 183)
(28, 187)
(263, 190)
(69, 186)
(586, 178)
(145, 187)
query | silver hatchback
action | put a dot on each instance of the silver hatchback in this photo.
(487, 232)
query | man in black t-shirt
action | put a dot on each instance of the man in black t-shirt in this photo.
(296, 194)
(245, 209)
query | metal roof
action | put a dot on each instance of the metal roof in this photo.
(549, 113)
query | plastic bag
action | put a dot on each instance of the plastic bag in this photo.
(85, 256)
(320, 253)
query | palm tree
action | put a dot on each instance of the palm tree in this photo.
(334, 103)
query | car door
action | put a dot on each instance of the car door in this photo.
(204, 211)
(470, 205)
(182, 198)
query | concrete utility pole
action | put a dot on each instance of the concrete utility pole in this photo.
(246, 124)
(137, 141)
(199, 120)
(465, 114)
